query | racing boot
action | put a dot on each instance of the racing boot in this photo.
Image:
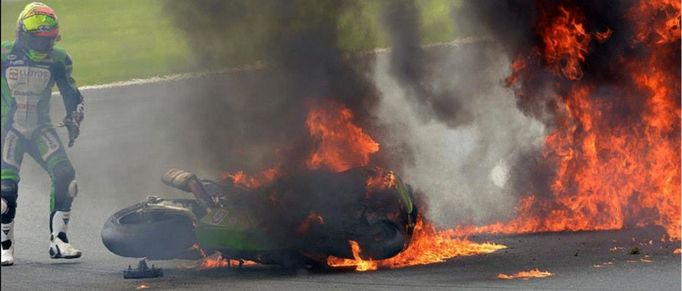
(60, 248)
(8, 244)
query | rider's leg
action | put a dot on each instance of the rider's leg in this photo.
(9, 206)
(12, 153)
(64, 190)
(50, 154)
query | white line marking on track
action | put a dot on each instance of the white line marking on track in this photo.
(258, 66)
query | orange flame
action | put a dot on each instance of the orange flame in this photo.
(611, 172)
(603, 36)
(214, 261)
(217, 261)
(525, 275)
(242, 180)
(360, 264)
(428, 246)
(518, 65)
(381, 180)
(565, 42)
(340, 144)
(651, 26)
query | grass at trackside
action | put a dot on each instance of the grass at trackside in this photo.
(361, 29)
(116, 40)
(112, 40)
(437, 24)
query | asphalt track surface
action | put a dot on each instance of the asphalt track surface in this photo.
(127, 143)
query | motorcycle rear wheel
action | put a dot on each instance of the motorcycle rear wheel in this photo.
(142, 232)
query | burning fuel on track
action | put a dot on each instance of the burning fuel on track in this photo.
(609, 79)
(525, 275)
(602, 77)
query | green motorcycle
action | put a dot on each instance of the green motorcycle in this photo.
(298, 220)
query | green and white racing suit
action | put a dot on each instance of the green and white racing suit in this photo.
(26, 127)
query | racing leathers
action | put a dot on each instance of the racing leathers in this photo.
(26, 128)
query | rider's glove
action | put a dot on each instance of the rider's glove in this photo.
(72, 122)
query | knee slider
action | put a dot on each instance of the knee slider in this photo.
(63, 175)
(65, 185)
(5, 207)
(73, 189)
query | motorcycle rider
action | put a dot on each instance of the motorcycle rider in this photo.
(31, 65)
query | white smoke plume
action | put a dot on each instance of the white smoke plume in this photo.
(462, 171)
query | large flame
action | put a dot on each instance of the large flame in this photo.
(613, 169)
(430, 245)
(340, 144)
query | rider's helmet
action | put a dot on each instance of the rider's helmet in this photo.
(37, 30)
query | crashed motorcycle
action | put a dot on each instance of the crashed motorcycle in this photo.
(296, 221)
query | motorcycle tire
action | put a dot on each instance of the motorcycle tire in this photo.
(380, 240)
(142, 232)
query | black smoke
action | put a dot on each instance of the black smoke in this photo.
(514, 23)
(260, 118)
(256, 119)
